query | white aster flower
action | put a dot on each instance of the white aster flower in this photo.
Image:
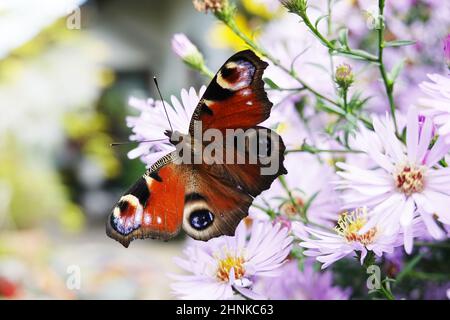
(152, 123)
(407, 181)
(226, 264)
(437, 104)
(346, 239)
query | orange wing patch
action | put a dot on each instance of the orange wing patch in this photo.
(152, 208)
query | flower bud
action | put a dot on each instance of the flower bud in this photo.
(187, 51)
(210, 5)
(296, 6)
(344, 76)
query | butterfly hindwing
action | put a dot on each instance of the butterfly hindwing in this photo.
(213, 206)
(152, 208)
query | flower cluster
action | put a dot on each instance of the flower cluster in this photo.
(363, 105)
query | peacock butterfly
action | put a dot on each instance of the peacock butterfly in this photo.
(208, 199)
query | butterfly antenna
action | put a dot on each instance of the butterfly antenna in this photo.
(162, 100)
(115, 144)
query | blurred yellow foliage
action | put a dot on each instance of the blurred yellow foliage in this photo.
(72, 220)
(222, 37)
(260, 9)
(36, 190)
(89, 129)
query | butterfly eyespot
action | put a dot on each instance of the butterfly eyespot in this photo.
(201, 219)
(123, 206)
(230, 73)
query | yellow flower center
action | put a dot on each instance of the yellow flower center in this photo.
(350, 223)
(225, 265)
(410, 179)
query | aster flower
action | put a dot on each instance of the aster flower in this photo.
(346, 239)
(305, 284)
(224, 265)
(437, 105)
(310, 190)
(152, 122)
(407, 181)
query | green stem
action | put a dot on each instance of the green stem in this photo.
(335, 108)
(329, 32)
(389, 86)
(435, 277)
(292, 199)
(286, 89)
(344, 97)
(206, 71)
(233, 26)
(269, 212)
(347, 51)
(386, 293)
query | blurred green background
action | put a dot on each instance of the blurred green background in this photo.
(66, 73)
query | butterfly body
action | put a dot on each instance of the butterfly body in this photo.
(189, 188)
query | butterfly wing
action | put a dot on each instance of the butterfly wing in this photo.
(152, 207)
(235, 99)
(213, 206)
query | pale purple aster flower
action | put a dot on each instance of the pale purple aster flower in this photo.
(346, 239)
(437, 104)
(227, 264)
(306, 284)
(406, 182)
(309, 183)
(152, 122)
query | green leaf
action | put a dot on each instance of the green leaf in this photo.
(271, 84)
(343, 37)
(310, 201)
(357, 54)
(396, 71)
(399, 43)
(316, 24)
(409, 267)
